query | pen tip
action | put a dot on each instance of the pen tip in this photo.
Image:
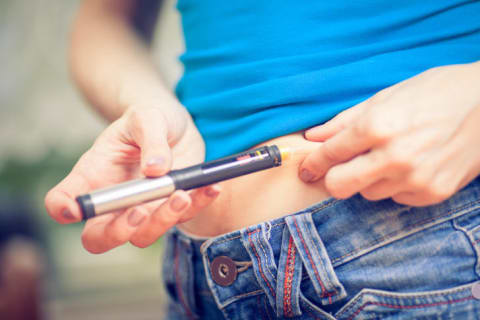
(285, 153)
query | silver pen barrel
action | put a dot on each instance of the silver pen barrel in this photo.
(125, 195)
(138, 191)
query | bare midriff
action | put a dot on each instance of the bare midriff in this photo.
(260, 196)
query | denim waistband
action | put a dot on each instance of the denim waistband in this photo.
(311, 243)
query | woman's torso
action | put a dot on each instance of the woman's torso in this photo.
(256, 72)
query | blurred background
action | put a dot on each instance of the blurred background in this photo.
(45, 125)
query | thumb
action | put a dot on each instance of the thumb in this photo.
(156, 156)
(149, 130)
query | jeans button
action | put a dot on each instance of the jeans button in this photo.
(223, 270)
(476, 290)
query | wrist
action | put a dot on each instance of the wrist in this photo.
(142, 90)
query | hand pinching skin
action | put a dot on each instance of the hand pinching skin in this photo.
(416, 142)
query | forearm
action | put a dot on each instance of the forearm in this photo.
(110, 63)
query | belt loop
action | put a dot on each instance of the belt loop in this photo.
(315, 258)
(288, 278)
(264, 266)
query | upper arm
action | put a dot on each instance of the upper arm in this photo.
(141, 14)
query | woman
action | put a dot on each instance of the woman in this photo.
(275, 244)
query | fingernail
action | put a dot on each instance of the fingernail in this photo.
(306, 175)
(135, 218)
(178, 204)
(212, 191)
(68, 215)
(156, 162)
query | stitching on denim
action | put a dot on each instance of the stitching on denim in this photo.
(178, 286)
(267, 257)
(313, 211)
(240, 296)
(324, 291)
(311, 311)
(251, 293)
(322, 265)
(287, 284)
(392, 306)
(408, 227)
(226, 240)
(236, 237)
(400, 296)
(471, 241)
(332, 203)
(315, 309)
(258, 259)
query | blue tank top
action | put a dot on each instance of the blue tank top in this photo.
(259, 69)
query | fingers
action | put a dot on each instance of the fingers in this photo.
(112, 230)
(143, 225)
(382, 189)
(342, 147)
(179, 208)
(338, 123)
(201, 198)
(60, 201)
(161, 219)
(344, 180)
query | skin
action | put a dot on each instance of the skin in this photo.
(416, 142)
(407, 142)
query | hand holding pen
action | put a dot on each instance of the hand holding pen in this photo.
(143, 142)
(138, 191)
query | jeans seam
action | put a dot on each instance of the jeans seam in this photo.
(287, 285)
(324, 291)
(240, 296)
(471, 241)
(265, 255)
(334, 202)
(239, 236)
(410, 227)
(415, 306)
(397, 296)
(259, 262)
(311, 311)
(322, 265)
(314, 211)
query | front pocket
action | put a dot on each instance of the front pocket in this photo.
(453, 303)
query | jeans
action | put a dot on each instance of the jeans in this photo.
(338, 259)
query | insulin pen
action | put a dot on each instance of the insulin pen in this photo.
(143, 190)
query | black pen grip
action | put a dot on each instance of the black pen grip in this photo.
(226, 168)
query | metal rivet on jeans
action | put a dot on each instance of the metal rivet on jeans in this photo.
(223, 270)
(476, 290)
